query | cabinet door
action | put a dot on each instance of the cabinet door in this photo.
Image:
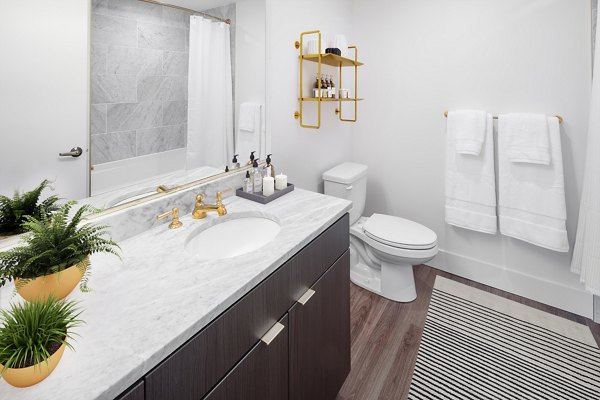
(263, 373)
(320, 336)
(136, 392)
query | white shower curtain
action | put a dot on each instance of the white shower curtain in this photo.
(210, 95)
(586, 256)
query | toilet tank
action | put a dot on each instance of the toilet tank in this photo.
(348, 181)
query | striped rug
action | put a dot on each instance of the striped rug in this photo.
(477, 345)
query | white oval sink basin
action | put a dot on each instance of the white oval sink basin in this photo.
(232, 237)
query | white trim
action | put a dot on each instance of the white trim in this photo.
(575, 300)
(597, 309)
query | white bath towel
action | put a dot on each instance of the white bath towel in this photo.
(468, 127)
(250, 133)
(532, 196)
(471, 184)
(527, 138)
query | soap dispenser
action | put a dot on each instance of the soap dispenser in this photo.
(234, 163)
(256, 178)
(248, 187)
(251, 158)
(268, 169)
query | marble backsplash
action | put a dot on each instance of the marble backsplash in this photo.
(132, 221)
(139, 78)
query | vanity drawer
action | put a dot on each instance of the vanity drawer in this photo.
(192, 370)
(311, 262)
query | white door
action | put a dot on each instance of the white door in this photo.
(44, 95)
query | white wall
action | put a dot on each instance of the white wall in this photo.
(303, 154)
(44, 95)
(250, 58)
(426, 56)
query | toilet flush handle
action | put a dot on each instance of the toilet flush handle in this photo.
(349, 187)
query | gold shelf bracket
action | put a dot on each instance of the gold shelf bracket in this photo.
(300, 45)
(338, 111)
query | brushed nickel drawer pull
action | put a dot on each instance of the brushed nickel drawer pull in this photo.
(306, 296)
(272, 333)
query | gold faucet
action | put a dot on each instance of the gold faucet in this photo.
(175, 223)
(200, 209)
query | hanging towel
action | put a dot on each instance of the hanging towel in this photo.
(471, 184)
(250, 133)
(532, 196)
(468, 127)
(249, 117)
(527, 138)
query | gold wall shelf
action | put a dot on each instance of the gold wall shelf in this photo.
(326, 99)
(331, 60)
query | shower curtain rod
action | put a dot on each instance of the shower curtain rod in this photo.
(560, 119)
(227, 21)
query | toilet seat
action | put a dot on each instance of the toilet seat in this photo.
(399, 232)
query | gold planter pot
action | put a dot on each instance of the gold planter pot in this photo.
(58, 285)
(23, 377)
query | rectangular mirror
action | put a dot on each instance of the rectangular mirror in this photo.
(120, 100)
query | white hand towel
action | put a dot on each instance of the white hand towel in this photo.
(532, 196)
(468, 127)
(527, 138)
(471, 184)
(248, 140)
(249, 115)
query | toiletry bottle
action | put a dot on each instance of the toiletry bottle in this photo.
(266, 170)
(333, 94)
(234, 163)
(317, 87)
(247, 183)
(256, 178)
(323, 88)
(227, 168)
(329, 86)
(251, 158)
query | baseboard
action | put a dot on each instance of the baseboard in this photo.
(574, 300)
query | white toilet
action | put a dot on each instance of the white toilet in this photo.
(383, 248)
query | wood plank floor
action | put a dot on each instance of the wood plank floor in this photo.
(386, 335)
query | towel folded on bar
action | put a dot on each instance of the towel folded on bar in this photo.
(532, 195)
(468, 127)
(471, 183)
(527, 138)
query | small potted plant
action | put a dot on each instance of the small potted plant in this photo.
(55, 256)
(33, 337)
(13, 211)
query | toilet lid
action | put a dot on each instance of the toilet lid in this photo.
(399, 232)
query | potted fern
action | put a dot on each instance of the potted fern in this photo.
(14, 210)
(33, 337)
(55, 256)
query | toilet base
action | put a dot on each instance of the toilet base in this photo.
(393, 281)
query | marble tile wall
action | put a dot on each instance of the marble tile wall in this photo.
(139, 79)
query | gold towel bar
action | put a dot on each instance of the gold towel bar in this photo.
(560, 119)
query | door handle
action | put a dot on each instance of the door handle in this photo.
(272, 333)
(306, 296)
(75, 152)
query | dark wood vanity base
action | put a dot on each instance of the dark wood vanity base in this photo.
(309, 357)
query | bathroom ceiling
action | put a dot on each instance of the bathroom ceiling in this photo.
(199, 5)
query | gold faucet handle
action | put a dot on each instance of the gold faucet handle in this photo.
(221, 210)
(175, 223)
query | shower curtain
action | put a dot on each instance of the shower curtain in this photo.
(210, 95)
(586, 255)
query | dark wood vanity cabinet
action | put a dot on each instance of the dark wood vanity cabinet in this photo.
(308, 359)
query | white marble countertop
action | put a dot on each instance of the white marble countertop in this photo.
(144, 307)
